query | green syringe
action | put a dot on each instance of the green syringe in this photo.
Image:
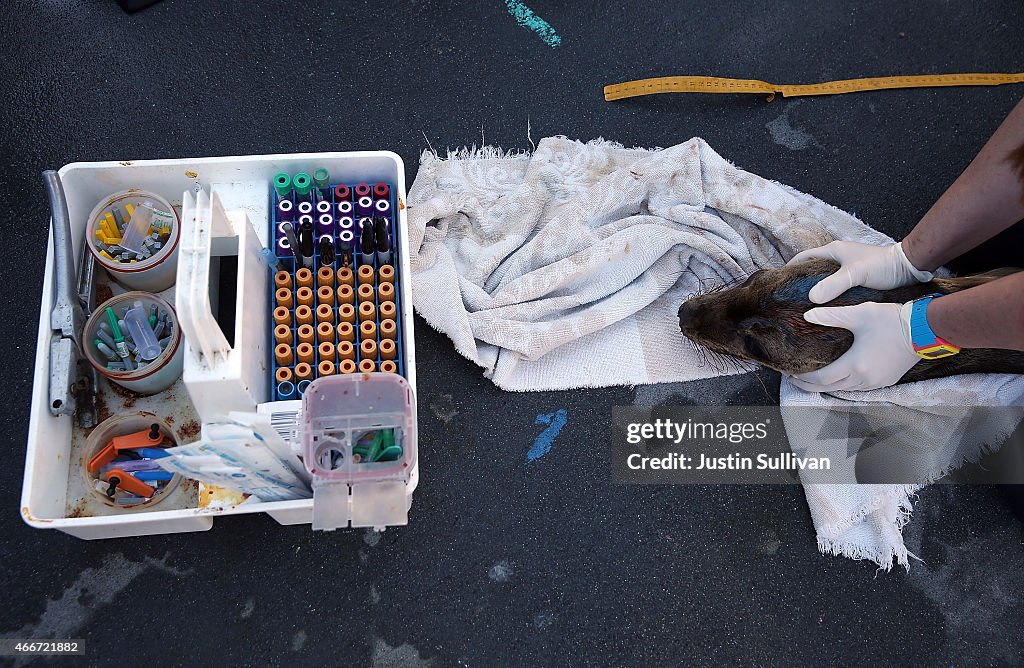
(119, 342)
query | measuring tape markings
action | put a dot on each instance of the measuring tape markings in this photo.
(694, 84)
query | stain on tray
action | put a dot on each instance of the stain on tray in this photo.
(103, 293)
(128, 396)
(79, 510)
(189, 430)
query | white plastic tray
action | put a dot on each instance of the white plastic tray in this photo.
(243, 182)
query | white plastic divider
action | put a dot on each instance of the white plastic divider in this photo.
(221, 378)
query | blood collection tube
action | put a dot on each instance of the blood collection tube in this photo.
(388, 329)
(283, 354)
(304, 351)
(346, 295)
(346, 332)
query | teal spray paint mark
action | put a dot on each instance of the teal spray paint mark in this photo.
(525, 17)
(542, 444)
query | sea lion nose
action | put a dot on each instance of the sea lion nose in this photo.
(686, 313)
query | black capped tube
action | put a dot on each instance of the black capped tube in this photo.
(326, 250)
(306, 240)
(367, 245)
(383, 240)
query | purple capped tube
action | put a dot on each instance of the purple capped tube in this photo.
(285, 210)
(364, 206)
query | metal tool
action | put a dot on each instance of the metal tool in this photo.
(67, 317)
(86, 385)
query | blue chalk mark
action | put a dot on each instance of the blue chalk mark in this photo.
(525, 17)
(542, 444)
(797, 289)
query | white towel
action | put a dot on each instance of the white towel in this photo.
(564, 268)
(933, 426)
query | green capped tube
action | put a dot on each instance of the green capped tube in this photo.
(321, 178)
(303, 184)
(282, 184)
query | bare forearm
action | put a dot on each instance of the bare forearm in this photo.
(986, 198)
(988, 316)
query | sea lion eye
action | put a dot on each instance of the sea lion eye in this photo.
(754, 347)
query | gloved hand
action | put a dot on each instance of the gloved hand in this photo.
(878, 267)
(881, 352)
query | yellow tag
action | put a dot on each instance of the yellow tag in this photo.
(720, 85)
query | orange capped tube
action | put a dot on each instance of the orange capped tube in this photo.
(283, 354)
(368, 330)
(304, 278)
(325, 295)
(304, 315)
(388, 329)
(365, 275)
(365, 292)
(346, 332)
(368, 349)
(346, 295)
(326, 351)
(304, 351)
(325, 368)
(325, 332)
(346, 277)
(283, 297)
(303, 371)
(346, 350)
(347, 366)
(283, 334)
(324, 313)
(304, 295)
(387, 366)
(388, 349)
(367, 311)
(388, 310)
(367, 366)
(283, 279)
(386, 274)
(282, 316)
(347, 313)
(386, 292)
(283, 374)
(306, 333)
(325, 276)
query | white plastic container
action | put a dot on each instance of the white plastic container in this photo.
(154, 273)
(242, 184)
(119, 425)
(156, 376)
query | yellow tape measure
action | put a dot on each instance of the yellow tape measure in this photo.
(720, 85)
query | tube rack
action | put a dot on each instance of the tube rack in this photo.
(343, 200)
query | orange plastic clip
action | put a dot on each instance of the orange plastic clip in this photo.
(118, 478)
(147, 438)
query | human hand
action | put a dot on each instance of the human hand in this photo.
(877, 267)
(881, 352)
